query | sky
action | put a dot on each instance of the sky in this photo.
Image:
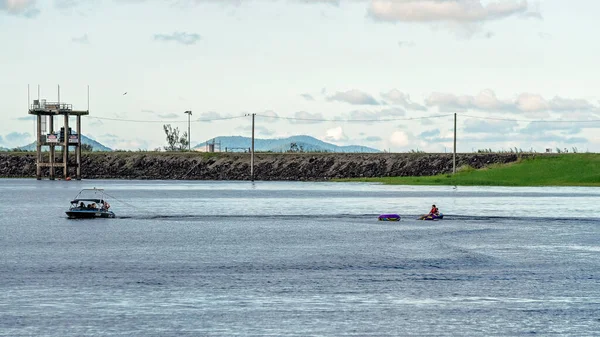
(388, 74)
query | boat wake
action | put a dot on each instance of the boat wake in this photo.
(373, 216)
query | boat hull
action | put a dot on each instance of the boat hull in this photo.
(91, 214)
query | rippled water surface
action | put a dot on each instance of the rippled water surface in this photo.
(298, 259)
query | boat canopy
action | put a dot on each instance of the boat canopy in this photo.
(75, 201)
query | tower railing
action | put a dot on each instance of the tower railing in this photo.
(51, 106)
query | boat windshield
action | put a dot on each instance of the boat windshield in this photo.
(90, 199)
(83, 205)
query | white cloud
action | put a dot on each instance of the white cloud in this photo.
(19, 7)
(372, 139)
(15, 6)
(81, 39)
(186, 3)
(64, 4)
(365, 115)
(465, 18)
(268, 116)
(179, 37)
(355, 97)
(117, 143)
(565, 104)
(397, 97)
(489, 126)
(128, 144)
(335, 135)
(485, 100)
(564, 128)
(308, 97)
(303, 117)
(406, 44)
(258, 130)
(531, 105)
(208, 116)
(430, 134)
(166, 115)
(327, 2)
(169, 116)
(399, 139)
(96, 123)
(447, 10)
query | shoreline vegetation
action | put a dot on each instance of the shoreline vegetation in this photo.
(542, 170)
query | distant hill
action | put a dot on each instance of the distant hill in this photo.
(84, 140)
(305, 143)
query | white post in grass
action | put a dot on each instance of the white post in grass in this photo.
(454, 155)
(252, 151)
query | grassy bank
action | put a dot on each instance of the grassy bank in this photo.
(543, 170)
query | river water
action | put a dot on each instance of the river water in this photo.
(298, 259)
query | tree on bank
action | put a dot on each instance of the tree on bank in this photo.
(295, 148)
(176, 142)
(87, 148)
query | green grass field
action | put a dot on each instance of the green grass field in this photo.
(543, 170)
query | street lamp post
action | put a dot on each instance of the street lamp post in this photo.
(189, 113)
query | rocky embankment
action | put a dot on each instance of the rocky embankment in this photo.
(236, 166)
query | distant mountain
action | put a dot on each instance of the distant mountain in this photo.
(303, 143)
(84, 140)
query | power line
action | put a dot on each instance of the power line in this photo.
(345, 120)
(353, 120)
(163, 121)
(532, 121)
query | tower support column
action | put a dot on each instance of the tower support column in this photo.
(78, 148)
(38, 173)
(51, 131)
(66, 148)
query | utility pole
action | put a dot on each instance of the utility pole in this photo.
(189, 113)
(51, 131)
(66, 140)
(252, 151)
(454, 155)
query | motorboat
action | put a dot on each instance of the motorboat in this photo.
(88, 204)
